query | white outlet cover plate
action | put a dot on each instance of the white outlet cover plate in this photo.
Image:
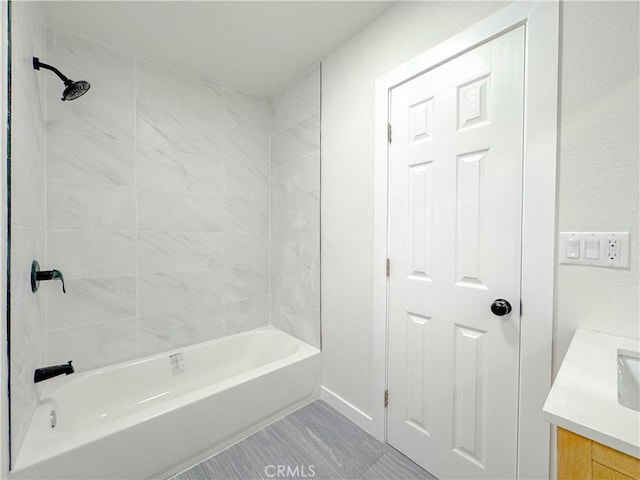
(569, 238)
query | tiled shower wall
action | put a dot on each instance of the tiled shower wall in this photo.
(157, 201)
(295, 172)
(27, 213)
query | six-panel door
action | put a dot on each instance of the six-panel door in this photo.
(455, 208)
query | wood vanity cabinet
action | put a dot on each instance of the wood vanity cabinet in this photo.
(580, 458)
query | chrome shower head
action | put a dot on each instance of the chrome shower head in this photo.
(73, 89)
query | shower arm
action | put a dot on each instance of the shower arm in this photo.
(37, 64)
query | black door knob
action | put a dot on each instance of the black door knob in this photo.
(500, 307)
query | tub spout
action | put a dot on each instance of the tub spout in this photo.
(45, 373)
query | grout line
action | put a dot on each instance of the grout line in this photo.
(272, 251)
(134, 187)
(124, 319)
(320, 206)
(90, 135)
(212, 268)
(224, 199)
(135, 201)
(301, 194)
(45, 240)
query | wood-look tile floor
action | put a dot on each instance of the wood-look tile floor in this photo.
(315, 442)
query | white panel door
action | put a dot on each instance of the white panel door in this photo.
(455, 207)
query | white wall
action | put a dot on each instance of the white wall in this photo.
(598, 170)
(158, 202)
(598, 164)
(295, 211)
(27, 212)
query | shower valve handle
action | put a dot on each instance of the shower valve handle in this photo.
(38, 276)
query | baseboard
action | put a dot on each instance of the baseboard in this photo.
(350, 411)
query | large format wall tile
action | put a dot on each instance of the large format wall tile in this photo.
(91, 300)
(26, 334)
(160, 252)
(160, 210)
(242, 249)
(27, 246)
(247, 133)
(297, 249)
(245, 282)
(72, 205)
(167, 170)
(300, 320)
(83, 158)
(105, 67)
(248, 183)
(88, 253)
(241, 215)
(94, 345)
(299, 213)
(295, 212)
(167, 87)
(247, 148)
(97, 113)
(27, 213)
(298, 176)
(246, 314)
(27, 145)
(171, 130)
(166, 292)
(248, 113)
(27, 119)
(298, 140)
(297, 103)
(300, 284)
(158, 206)
(27, 189)
(24, 399)
(166, 331)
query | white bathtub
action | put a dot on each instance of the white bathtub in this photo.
(149, 419)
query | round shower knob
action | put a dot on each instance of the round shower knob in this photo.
(500, 307)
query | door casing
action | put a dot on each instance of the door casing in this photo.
(541, 20)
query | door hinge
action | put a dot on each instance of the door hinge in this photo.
(389, 132)
(388, 267)
(386, 398)
(520, 307)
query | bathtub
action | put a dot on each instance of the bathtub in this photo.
(154, 417)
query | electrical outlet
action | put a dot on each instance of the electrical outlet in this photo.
(613, 249)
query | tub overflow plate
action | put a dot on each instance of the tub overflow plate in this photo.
(177, 363)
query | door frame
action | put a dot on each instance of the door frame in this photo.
(5, 441)
(541, 20)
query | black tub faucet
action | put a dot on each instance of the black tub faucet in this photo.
(45, 373)
(38, 276)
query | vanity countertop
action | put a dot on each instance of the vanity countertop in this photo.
(584, 395)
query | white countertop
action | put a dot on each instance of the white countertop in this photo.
(584, 396)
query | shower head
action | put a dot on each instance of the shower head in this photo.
(73, 89)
